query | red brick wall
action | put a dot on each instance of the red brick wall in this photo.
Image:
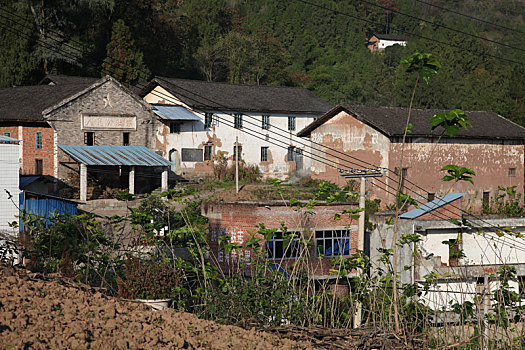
(29, 151)
(238, 220)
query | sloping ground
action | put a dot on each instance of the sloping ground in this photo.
(36, 313)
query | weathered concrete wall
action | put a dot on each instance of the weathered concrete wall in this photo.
(490, 161)
(343, 138)
(237, 220)
(111, 102)
(485, 252)
(357, 145)
(221, 135)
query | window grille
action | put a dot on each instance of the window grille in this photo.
(283, 245)
(266, 122)
(264, 154)
(174, 128)
(332, 243)
(237, 123)
(38, 140)
(291, 123)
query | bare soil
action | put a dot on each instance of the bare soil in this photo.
(44, 313)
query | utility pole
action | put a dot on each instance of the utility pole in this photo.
(485, 312)
(362, 174)
(237, 164)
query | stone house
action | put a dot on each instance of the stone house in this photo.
(234, 222)
(360, 137)
(78, 111)
(200, 120)
(379, 42)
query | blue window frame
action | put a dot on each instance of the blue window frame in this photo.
(332, 243)
(38, 140)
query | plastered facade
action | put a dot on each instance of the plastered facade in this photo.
(495, 162)
(221, 135)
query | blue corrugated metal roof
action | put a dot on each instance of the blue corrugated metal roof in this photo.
(433, 205)
(175, 113)
(114, 155)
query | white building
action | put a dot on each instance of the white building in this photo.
(459, 257)
(200, 121)
(379, 42)
(9, 190)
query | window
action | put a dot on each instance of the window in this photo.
(125, 139)
(208, 152)
(404, 173)
(264, 154)
(454, 252)
(237, 122)
(89, 138)
(332, 243)
(265, 122)
(431, 197)
(39, 166)
(191, 155)
(208, 119)
(291, 154)
(235, 149)
(174, 128)
(8, 134)
(283, 246)
(38, 140)
(512, 172)
(485, 202)
(291, 123)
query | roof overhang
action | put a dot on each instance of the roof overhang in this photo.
(178, 113)
(114, 155)
(431, 206)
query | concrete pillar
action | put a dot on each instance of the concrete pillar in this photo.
(164, 179)
(132, 180)
(83, 182)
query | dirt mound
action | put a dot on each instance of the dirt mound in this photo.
(57, 314)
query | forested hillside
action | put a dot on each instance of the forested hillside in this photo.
(318, 44)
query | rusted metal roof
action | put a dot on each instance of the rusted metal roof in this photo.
(114, 155)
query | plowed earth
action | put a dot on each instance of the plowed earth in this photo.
(55, 314)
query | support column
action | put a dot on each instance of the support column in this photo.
(164, 179)
(132, 180)
(83, 182)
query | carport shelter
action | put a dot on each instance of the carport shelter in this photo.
(130, 156)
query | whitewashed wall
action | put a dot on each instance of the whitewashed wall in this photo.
(9, 181)
(386, 43)
(252, 137)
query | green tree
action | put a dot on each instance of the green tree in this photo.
(124, 62)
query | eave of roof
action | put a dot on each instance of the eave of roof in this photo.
(215, 96)
(390, 121)
(431, 206)
(114, 155)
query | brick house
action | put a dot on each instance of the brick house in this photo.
(198, 120)
(76, 111)
(235, 220)
(493, 147)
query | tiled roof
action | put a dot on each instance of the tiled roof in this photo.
(243, 98)
(66, 80)
(26, 103)
(391, 121)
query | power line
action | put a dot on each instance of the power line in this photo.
(272, 142)
(441, 25)
(470, 17)
(412, 34)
